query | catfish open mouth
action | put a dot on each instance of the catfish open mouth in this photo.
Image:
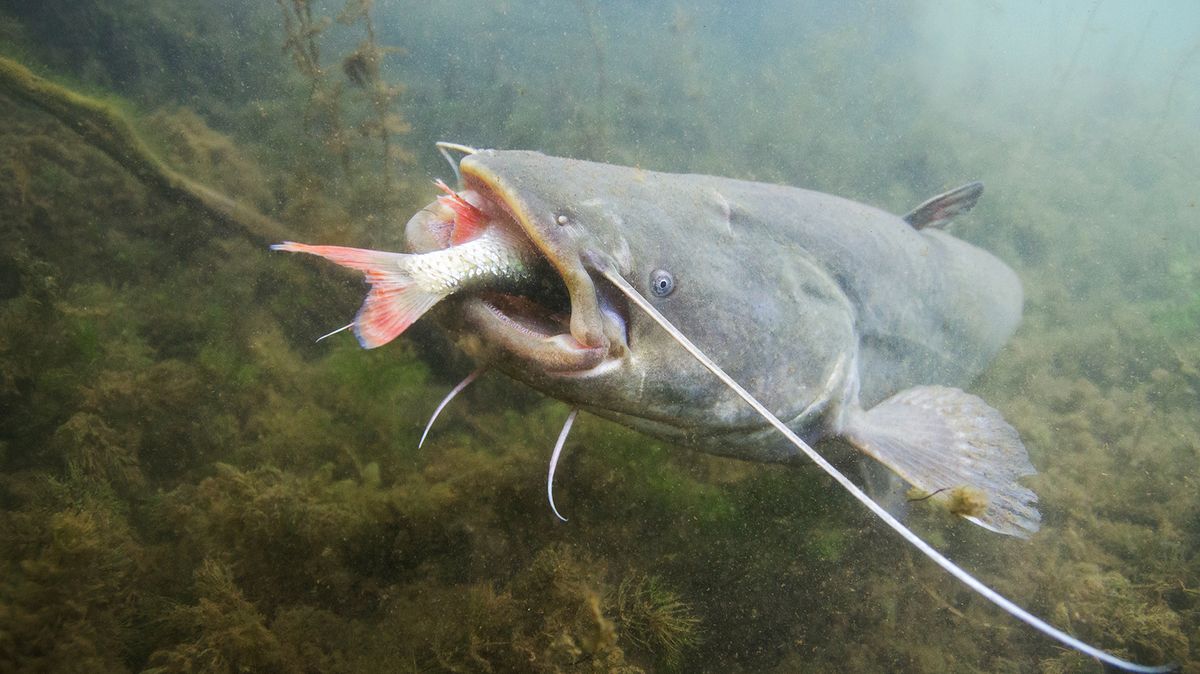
(560, 320)
(515, 326)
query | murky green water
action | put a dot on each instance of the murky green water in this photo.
(189, 483)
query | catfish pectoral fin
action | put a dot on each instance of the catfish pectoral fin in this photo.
(955, 448)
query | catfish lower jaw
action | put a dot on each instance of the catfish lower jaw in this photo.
(513, 327)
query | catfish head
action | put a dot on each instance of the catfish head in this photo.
(678, 240)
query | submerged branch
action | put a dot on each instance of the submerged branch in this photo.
(108, 131)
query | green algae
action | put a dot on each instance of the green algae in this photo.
(656, 619)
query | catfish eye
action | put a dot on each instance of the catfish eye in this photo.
(661, 282)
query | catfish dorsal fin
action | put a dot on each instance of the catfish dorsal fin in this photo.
(976, 585)
(940, 210)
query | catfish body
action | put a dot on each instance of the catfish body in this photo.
(811, 301)
(840, 319)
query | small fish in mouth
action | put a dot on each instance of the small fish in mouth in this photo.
(480, 253)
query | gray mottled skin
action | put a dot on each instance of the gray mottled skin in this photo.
(814, 303)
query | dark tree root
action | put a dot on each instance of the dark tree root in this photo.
(107, 130)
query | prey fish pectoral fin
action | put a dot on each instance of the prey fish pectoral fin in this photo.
(469, 221)
(394, 302)
(944, 440)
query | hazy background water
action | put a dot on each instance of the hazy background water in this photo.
(187, 482)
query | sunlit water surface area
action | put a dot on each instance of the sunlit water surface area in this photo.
(189, 481)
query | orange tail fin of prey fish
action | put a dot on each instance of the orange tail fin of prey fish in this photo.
(395, 301)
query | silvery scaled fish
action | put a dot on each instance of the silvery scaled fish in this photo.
(478, 253)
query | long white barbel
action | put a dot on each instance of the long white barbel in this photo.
(446, 401)
(916, 541)
(558, 447)
(446, 148)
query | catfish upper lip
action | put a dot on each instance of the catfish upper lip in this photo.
(524, 328)
(554, 240)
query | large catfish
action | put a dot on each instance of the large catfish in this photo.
(842, 319)
(623, 291)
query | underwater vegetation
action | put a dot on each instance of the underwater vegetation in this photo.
(189, 483)
(361, 69)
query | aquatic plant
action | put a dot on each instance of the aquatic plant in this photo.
(325, 112)
(655, 618)
(363, 68)
(221, 632)
(71, 576)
